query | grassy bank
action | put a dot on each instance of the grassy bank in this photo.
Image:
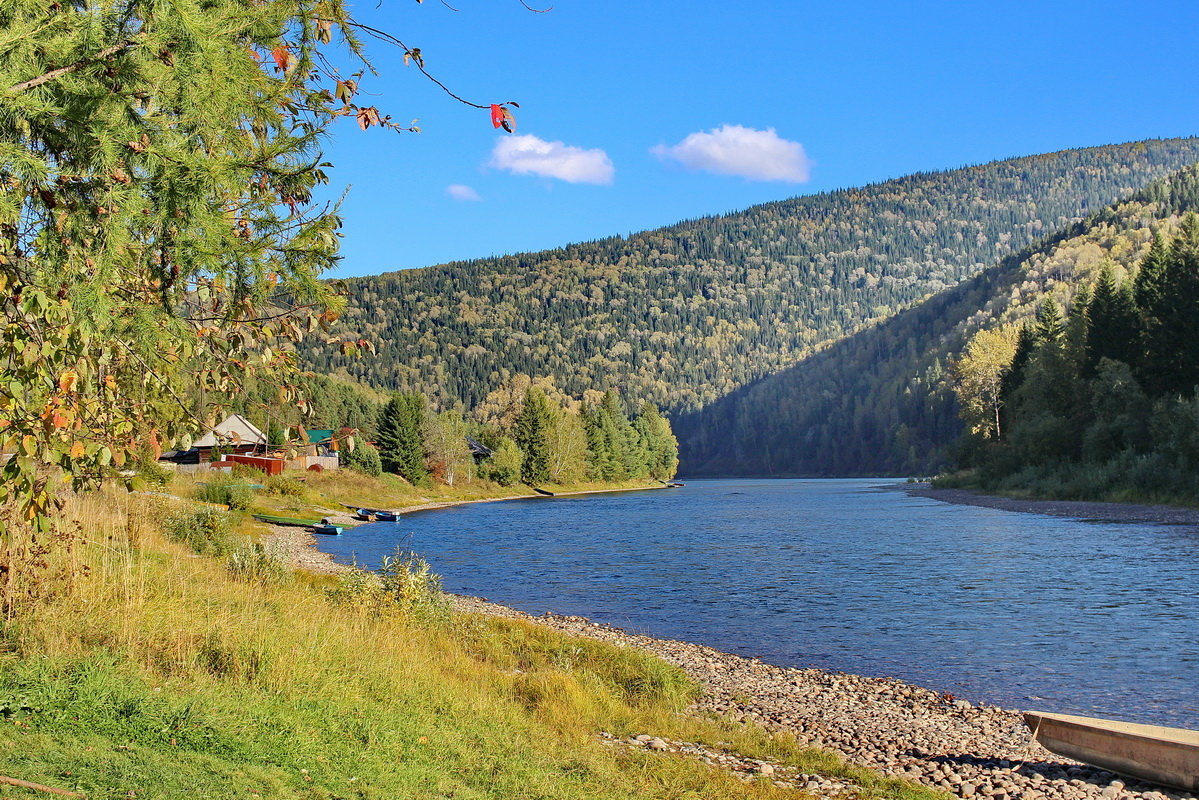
(320, 493)
(130, 666)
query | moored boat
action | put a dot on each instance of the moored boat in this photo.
(292, 521)
(1169, 756)
(373, 514)
(327, 528)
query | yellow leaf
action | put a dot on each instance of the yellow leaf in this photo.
(77, 450)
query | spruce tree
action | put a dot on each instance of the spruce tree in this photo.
(625, 445)
(401, 448)
(1026, 342)
(1167, 297)
(1150, 289)
(1050, 327)
(600, 457)
(1111, 330)
(533, 426)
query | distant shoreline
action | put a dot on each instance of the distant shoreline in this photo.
(1078, 509)
(298, 548)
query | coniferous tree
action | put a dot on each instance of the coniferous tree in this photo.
(1026, 342)
(1169, 306)
(659, 443)
(1050, 327)
(602, 462)
(1150, 290)
(626, 449)
(533, 428)
(1111, 330)
(401, 448)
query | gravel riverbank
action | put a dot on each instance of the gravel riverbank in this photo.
(971, 751)
(1077, 509)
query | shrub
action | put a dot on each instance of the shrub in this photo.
(205, 530)
(412, 585)
(227, 490)
(154, 474)
(255, 563)
(248, 473)
(364, 458)
(404, 584)
(287, 487)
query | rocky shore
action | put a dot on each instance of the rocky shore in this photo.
(967, 750)
(1077, 509)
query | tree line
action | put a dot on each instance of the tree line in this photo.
(525, 431)
(1098, 399)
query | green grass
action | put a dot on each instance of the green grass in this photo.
(132, 667)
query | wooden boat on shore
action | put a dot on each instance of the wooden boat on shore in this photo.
(373, 514)
(1169, 756)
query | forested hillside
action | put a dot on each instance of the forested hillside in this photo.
(881, 402)
(1102, 403)
(687, 314)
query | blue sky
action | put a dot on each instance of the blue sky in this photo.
(855, 92)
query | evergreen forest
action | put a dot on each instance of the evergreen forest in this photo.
(883, 402)
(685, 315)
(1098, 400)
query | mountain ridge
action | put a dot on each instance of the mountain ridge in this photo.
(686, 314)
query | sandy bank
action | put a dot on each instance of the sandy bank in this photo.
(1078, 509)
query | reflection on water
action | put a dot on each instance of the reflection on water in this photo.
(1015, 609)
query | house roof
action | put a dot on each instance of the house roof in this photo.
(319, 435)
(477, 448)
(235, 427)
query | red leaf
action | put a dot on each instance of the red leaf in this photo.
(282, 57)
(497, 116)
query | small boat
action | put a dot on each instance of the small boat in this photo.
(292, 521)
(327, 528)
(1169, 756)
(373, 514)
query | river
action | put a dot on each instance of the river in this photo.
(1018, 610)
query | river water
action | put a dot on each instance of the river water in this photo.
(1020, 610)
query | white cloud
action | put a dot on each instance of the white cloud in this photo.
(737, 150)
(528, 155)
(462, 193)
